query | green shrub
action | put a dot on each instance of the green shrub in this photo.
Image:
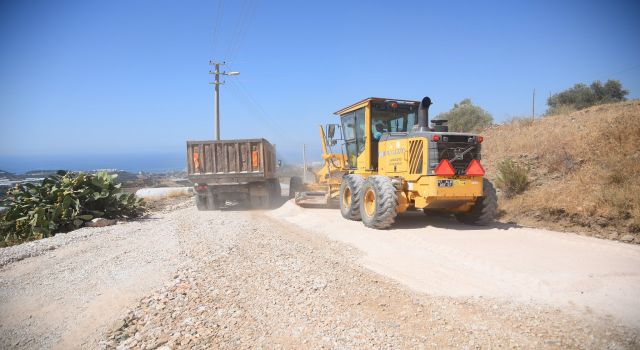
(63, 202)
(582, 96)
(512, 178)
(466, 117)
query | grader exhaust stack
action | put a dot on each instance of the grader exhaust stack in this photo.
(423, 115)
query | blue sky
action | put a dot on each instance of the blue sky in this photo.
(130, 77)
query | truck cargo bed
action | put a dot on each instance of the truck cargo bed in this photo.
(230, 161)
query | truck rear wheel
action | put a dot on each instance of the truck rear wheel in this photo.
(378, 202)
(260, 202)
(259, 195)
(350, 196)
(295, 185)
(211, 201)
(276, 189)
(201, 202)
(275, 192)
(484, 211)
(206, 201)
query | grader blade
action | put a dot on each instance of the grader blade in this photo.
(312, 198)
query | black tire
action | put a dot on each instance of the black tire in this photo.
(260, 196)
(259, 202)
(350, 196)
(275, 192)
(211, 201)
(201, 202)
(295, 185)
(484, 211)
(378, 202)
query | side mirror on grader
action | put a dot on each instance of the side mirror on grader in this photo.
(331, 130)
(394, 163)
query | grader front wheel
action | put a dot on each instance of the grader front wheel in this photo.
(350, 196)
(378, 202)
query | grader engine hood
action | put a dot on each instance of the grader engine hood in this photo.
(431, 153)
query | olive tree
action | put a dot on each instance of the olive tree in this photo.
(581, 96)
(466, 117)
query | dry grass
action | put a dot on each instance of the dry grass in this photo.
(585, 168)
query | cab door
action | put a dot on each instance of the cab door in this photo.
(354, 131)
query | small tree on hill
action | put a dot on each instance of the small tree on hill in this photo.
(466, 117)
(582, 96)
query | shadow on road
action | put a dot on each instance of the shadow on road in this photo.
(417, 219)
(410, 220)
(245, 206)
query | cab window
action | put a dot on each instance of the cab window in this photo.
(353, 127)
(386, 118)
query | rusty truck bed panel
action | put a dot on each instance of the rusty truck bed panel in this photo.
(230, 161)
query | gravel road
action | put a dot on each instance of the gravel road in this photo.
(242, 279)
(439, 256)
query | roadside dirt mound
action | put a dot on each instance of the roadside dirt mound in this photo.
(584, 170)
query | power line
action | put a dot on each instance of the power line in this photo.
(232, 33)
(246, 12)
(216, 25)
(245, 28)
(262, 114)
(626, 70)
(269, 122)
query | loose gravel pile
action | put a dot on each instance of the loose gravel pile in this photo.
(64, 291)
(31, 249)
(250, 282)
(36, 248)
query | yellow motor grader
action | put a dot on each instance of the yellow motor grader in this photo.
(391, 161)
(327, 179)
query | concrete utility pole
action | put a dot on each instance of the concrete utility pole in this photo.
(217, 84)
(304, 163)
(533, 105)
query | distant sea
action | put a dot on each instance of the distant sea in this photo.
(151, 163)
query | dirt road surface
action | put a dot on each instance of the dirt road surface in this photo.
(438, 256)
(242, 279)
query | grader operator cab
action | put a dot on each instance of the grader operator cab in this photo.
(393, 162)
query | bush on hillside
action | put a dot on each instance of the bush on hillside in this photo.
(63, 202)
(581, 96)
(466, 117)
(512, 178)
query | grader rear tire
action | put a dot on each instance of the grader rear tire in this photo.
(350, 196)
(484, 211)
(378, 202)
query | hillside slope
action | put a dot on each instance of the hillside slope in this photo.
(584, 170)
